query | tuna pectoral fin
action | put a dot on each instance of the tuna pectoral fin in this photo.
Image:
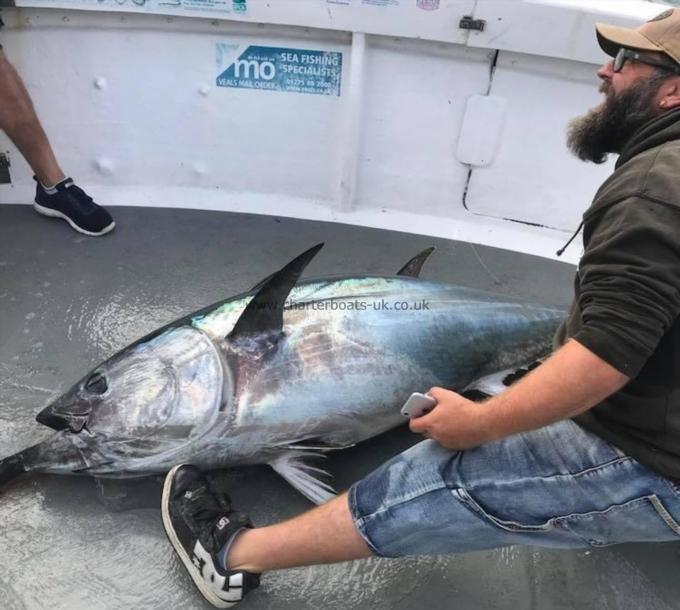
(312, 444)
(489, 385)
(305, 478)
(498, 382)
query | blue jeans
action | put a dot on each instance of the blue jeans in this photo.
(559, 486)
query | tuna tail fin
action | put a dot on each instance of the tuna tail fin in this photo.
(305, 478)
(414, 266)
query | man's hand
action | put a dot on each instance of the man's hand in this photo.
(572, 380)
(455, 423)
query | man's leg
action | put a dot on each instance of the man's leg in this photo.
(325, 534)
(20, 122)
(224, 555)
(558, 487)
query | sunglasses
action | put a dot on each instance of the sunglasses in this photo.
(625, 54)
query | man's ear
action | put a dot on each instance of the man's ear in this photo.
(670, 94)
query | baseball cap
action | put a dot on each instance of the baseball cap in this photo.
(662, 33)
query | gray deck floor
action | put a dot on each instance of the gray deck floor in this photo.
(68, 302)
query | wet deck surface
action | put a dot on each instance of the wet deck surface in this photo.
(67, 302)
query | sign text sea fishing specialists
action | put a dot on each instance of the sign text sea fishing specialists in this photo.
(282, 69)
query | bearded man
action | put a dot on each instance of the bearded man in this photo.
(582, 452)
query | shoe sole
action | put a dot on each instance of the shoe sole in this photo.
(179, 548)
(55, 214)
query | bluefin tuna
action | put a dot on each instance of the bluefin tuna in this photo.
(282, 373)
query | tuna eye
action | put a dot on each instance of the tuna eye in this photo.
(96, 384)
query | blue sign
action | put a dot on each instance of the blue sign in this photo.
(277, 69)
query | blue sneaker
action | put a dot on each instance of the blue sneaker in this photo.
(199, 521)
(75, 206)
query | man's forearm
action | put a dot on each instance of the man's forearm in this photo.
(571, 381)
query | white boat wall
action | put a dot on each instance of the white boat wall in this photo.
(439, 117)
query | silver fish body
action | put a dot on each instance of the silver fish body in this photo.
(349, 353)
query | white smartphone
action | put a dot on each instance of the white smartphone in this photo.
(418, 405)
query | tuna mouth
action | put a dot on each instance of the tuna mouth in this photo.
(59, 416)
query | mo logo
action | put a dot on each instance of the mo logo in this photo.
(253, 69)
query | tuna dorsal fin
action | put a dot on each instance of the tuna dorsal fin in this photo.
(264, 313)
(413, 267)
(262, 283)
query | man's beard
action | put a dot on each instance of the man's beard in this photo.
(607, 128)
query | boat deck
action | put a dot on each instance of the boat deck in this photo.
(69, 302)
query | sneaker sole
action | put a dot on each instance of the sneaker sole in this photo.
(55, 214)
(179, 548)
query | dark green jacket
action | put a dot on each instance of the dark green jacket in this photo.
(627, 296)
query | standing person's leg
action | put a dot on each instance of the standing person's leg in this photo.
(56, 195)
(20, 122)
(559, 486)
